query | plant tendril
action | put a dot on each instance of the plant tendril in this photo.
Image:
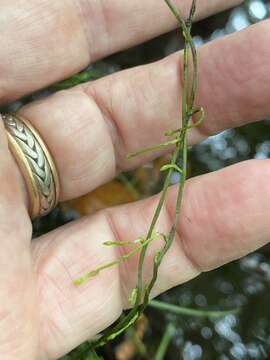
(140, 295)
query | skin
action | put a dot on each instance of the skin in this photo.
(88, 130)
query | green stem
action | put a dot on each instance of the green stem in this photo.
(83, 279)
(133, 314)
(152, 148)
(186, 27)
(181, 151)
(178, 310)
(165, 342)
(182, 145)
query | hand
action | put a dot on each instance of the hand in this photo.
(89, 129)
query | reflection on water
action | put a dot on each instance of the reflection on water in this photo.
(258, 10)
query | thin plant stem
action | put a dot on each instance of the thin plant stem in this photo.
(165, 342)
(182, 145)
(152, 148)
(141, 294)
(134, 314)
(178, 310)
(186, 27)
(83, 279)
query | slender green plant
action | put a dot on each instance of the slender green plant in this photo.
(140, 296)
(184, 311)
(165, 342)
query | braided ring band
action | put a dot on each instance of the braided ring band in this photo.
(36, 164)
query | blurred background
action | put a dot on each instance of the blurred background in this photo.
(244, 284)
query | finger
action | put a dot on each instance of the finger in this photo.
(42, 42)
(90, 129)
(17, 296)
(114, 16)
(223, 217)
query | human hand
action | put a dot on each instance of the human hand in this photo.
(89, 129)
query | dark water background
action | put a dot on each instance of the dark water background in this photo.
(245, 283)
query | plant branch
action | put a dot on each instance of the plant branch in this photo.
(141, 293)
(165, 342)
(178, 310)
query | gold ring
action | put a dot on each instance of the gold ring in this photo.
(36, 164)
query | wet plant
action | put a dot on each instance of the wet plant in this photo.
(191, 116)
